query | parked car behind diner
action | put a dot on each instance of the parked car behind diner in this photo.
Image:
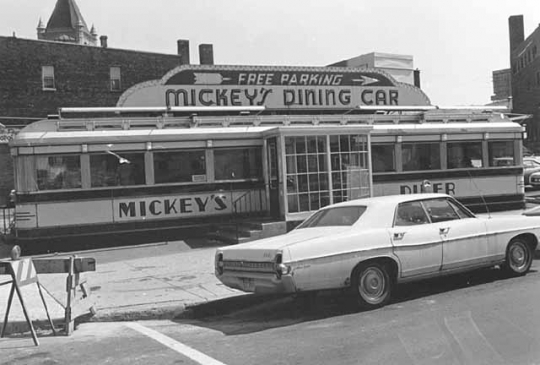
(369, 245)
(531, 171)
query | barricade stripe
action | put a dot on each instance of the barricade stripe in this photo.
(25, 272)
(18, 271)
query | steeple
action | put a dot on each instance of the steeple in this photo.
(40, 28)
(67, 24)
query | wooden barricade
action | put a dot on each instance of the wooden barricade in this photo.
(25, 272)
(73, 266)
(22, 273)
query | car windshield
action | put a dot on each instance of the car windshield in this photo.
(340, 216)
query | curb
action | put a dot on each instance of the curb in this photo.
(145, 312)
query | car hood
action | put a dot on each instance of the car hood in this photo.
(266, 249)
(531, 171)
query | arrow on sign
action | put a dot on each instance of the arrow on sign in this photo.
(364, 80)
(210, 78)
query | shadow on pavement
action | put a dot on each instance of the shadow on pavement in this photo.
(193, 238)
(249, 313)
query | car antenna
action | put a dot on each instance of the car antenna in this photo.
(481, 194)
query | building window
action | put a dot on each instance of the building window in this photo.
(421, 156)
(179, 166)
(501, 153)
(349, 166)
(58, 172)
(307, 173)
(116, 83)
(117, 169)
(238, 164)
(382, 158)
(464, 155)
(47, 77)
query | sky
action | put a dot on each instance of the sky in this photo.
(455, 44)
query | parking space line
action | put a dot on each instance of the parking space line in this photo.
(473, 343)
(427, 344)
(174, 345)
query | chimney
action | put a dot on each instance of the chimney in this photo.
(517, 32)
(417, 78)
(183, 51)
(206, 54)
(103, 40)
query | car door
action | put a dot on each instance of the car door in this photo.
(416, 242)
(463, 235)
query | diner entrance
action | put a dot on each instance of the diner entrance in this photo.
(315, 168)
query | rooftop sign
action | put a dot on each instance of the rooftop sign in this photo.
(276, 88)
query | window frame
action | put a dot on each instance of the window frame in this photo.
(47, 74)
(192, 181)
(257, 153)
(115, 76)
(412, 223)
(449, 205)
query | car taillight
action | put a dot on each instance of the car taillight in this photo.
(219, 263)
(280, 268)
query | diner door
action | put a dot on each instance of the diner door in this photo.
(273, 176)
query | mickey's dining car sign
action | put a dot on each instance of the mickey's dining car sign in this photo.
(276, 88)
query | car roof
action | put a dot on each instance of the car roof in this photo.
(388, 199)
(380, 210)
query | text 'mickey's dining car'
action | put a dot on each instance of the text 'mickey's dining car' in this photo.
(211, 143)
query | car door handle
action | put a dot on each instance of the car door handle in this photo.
(444, 230)
(398, 236)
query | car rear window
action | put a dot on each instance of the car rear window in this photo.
(339, 216)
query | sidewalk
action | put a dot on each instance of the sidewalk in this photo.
(132, 289)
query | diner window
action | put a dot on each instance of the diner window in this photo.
(117, 169)
(464, 154)
(238, 164)
(179, 166)
(349, 166)
(47, 77)
(421, 156)
(116, 80)
(501, 153)
(58, 172)
(382, 158)
(307, 173)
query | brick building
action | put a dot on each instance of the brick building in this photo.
(64, 68)
(525, 65)
(502, 85)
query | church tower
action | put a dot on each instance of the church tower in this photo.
(66, 24)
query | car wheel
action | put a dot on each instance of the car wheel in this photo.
(519, 257)
(372, 285)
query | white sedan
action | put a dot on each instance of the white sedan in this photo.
(369, 245)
